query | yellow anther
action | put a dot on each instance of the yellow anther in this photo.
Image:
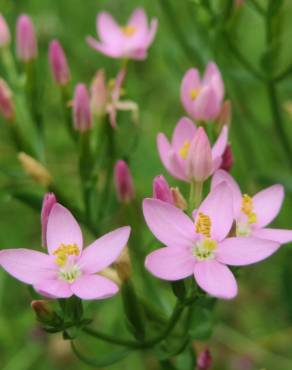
(203, 225)
(129, 30)
(194, 93)
(64, 251)
(184, 150)
(209, 244)
(247, 208)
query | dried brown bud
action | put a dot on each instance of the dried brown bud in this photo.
(112, 275)
(178, 199)
(35, 169)
(123, 265)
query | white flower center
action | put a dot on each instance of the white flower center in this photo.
(204, 249)
(69, 273)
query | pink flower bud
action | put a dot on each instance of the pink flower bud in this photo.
(81, 109)
(4, 32)
(204, 361)
(58, 62)
(199, 164)
(99, 94)
(49, 201)
(124, 182)
(6, 101)
(26, 39)
(161, 190)
(227, 159)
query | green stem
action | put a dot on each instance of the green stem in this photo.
(281, 76)
(196, 190)
(257, 7)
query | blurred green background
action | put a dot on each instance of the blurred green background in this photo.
(255, 330)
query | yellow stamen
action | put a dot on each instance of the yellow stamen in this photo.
(194, 93)
(64, 251)
(247, 208)
(129, 30)
(210, 244)
(203, 225)
(184, 150)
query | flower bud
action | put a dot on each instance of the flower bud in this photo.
(58, 62)
(81, 109)
(123, 265)
(204, 361)
(124, 182)
(4, 32)
(111, 274)
(227, 159)
(224, 117)
(178, 199)
(199, 164)
(161, 190)
(7, 109)
(26, 39)
(99, 94)
(35, 169)
(49, 201)
(43, 311)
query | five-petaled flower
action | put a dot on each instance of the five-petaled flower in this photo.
(202, 247)
(67, 269)
(130, 41)
(189, 156)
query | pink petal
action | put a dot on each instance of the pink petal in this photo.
(139, 21)
(104, 251)
(223, 176)
(216, 279)
(109, 50)
(184, 131)
(173, 263)
(242, 251)
(220, 144)
(190, 81)
(62, 229)
(108, 30)
(151, 32)
(267, 204)
(278, 235)
(168, 223)
(207, 105)
(218, 206)
(27, 265)
(54, 288)
(94, 287)
(212, 76)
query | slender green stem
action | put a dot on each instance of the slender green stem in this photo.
(281, 76)
(257, 7)
(196, 190)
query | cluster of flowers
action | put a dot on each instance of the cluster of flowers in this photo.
(227, 228)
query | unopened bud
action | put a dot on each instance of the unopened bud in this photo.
(224, 117)
(58, 63)
(35, 169)
(178, 199)
(124, 182)
(161, 190)
(81, 109)
(26, 39)
(7, 109)
(123, 265)
(4, 32)
(99, 94)
(204, 361)
(49, 201)
(227, 159)
(43, 311)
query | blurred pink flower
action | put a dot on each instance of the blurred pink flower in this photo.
(201, 247)
(4, 32)
(204, 360)
(189, 156)
(49, 201)
(161, 190)
(7, 109)
(58, 63)
(253, 214)
(130, 41)
(202, 99)
(26, 39)
(227, 159)
(67, 270)
(124, 182)
(99, 94)
(81, 109)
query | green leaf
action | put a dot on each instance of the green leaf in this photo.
(201, 323)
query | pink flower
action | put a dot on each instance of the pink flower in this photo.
(81, 109)
(253, 214)
(58, 62)
(161, 190)
(204, 360)
(129, 41)
(26, 39)
(49, 201)
(67, 269)
(189, 156)
(4, 32)
(201, 247)
(7, 109)
(124, 182)
(202, 99)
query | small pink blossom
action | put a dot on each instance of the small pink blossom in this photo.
(49, 201)
(202, 99)
(253, 214)
(26, 39)
(58, 62)
(129, 41)
(204, 361)
(189, 156)
(161, 190)
(124, 182)
(81, 109)
(201, 247)
(67, 269)
(5, 36)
